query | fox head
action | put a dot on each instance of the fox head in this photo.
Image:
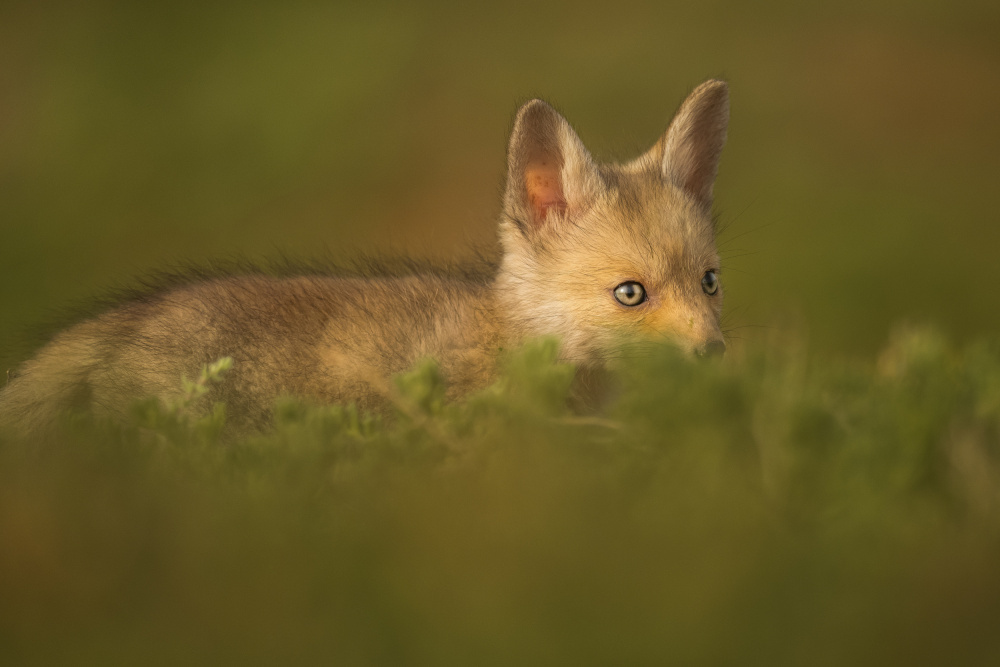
(600, 254)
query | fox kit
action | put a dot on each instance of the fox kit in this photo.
(593, 254)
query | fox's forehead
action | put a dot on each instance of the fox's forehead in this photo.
(649, 225)
(645, 197)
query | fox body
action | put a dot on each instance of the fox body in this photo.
(594, 254)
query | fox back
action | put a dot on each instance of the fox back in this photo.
(594, 254)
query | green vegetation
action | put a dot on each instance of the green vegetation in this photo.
(778, 509)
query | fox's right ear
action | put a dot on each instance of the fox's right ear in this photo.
(550, 175)
(689, 151)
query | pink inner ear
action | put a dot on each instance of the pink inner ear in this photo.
(544, 184)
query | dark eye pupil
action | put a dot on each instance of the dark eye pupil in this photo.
(710, 283)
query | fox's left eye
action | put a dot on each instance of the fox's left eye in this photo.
(630, 293)
(710, 283)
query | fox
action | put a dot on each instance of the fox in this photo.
(590, 253)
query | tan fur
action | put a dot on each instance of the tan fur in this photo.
(571, 231)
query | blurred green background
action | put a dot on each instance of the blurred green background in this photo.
(830, 517)
(857, 188)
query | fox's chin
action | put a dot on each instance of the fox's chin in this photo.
(637, 348)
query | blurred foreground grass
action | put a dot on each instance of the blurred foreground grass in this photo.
(774, 509)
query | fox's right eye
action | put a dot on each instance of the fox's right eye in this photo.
(630, 293)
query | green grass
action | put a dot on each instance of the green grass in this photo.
(778, 509)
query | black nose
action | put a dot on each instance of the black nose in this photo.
(713, 348)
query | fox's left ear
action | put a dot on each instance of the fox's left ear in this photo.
(551, 177)
(689, 151)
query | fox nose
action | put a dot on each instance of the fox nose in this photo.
(712, 348)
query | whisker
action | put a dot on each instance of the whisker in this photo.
(730, 223)
(724, 242)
